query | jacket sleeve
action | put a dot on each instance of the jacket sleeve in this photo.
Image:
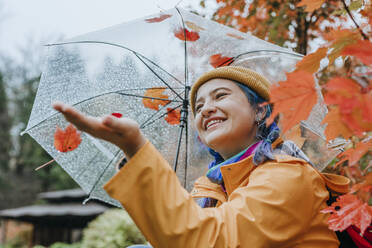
(274, 209)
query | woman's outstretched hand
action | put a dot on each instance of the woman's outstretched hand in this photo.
(123, 132)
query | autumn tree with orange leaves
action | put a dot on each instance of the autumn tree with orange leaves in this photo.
(339, 32)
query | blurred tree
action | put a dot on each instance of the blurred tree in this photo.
(5, 126)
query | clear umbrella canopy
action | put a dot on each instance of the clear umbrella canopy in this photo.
(115, 70)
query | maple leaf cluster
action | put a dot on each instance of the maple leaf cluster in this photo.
(345, 82)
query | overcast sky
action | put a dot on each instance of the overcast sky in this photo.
(44, 21)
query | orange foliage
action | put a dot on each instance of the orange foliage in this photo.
(293, 98)
(353, 155)
(336, 126)
(311, 5)
(311, 62)
(157, 98)
(67, 140)
(362, 50)
(349, 210)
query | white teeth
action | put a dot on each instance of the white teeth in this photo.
(212, 122)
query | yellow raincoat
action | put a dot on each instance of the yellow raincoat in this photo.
(275, 204)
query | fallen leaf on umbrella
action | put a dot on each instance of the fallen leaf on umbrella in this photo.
(117, 115)
(217, 60)
(193, 26)
(349, 210)
(235, 36)
(67, 140)
(294, 98)
(186, 35)
(158, 19)
(173, 116)
(311, 5)
(155, 98)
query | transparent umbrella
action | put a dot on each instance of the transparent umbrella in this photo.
(143, 70)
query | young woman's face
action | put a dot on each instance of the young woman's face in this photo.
(224, 118)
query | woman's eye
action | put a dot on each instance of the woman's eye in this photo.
(219, 95)
(198, 107)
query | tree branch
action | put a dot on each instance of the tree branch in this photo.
(352, 18)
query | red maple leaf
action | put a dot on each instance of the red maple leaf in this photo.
(293, 98)
(67, 140)
(186, 35)
(173, 116)
(349, 210)
(156, 98)
(362, 50)
(158, 19)
(217, 60)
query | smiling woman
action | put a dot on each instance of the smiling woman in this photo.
(259, 191)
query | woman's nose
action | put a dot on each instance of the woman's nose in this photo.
(208, 108)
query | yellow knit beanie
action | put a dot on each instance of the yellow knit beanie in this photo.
(252, 79)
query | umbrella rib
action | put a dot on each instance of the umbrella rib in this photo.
(148, 97)
(157, 75)
(265, 50)
(161, 116)
(104, 171)
(185, 46)
(178, 81)
(112, 44)
(117, 92)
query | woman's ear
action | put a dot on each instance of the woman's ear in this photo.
(260, 114)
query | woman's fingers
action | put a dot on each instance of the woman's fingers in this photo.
(84, 123)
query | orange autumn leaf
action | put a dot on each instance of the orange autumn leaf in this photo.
(367, 106)
(67, 140)
(339, 39)
(154, 97)
(293, 98)
(311, 5)
(193, 26)
(217, 60)
(354, 106)
(362, 50)
(349, 210)
(173, 116)
(186, 35)
(339, 89)
(336, 126)
(311, 62)
(158, 19)
(353, 155)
